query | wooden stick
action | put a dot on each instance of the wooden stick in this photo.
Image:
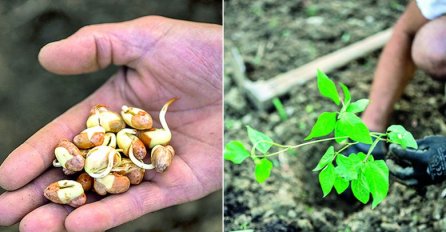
(262, 92)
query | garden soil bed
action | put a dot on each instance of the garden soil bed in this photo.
(276, 36)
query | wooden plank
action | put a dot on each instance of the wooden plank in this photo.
(262, 92)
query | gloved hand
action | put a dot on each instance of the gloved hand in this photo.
(379, 152)
(427, 164)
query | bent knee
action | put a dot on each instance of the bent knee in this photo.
(433, 65)
(429, 48)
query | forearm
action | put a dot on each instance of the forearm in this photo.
(395, 69)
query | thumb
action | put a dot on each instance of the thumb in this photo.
(95, 47)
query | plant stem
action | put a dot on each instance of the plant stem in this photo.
(317, 141)
(346, 146)
(275, 153)
(372, 147)
(377, 134)
(379, 137)
(253, 155)
(253, 150)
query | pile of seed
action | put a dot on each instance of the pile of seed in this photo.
(107, 156)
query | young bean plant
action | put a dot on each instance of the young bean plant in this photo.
(365, 175)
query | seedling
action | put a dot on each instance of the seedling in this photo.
(360, 171)
(280, 109)
(96, 154)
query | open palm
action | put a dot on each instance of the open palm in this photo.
(161, 58)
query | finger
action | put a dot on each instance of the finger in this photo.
(98, 46)
(426, 141)
(408, 154)
(14, 205)
(177, 186)
(117, 209)
(49, 217)
(36, 154)
(400, 172)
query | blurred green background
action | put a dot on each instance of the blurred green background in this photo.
(30, 97)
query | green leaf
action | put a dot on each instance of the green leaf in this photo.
(326, 87)
(339, 133)
(236, 152)
(324, 125)
(348, 166)
(345, 168)
(263, 169)
(326, 159)
(351, 125)
(397, 134)
(340, 184)
(262, 140)
(358, 106)
(347, 97)
(360, 189)
(280, 109)
(377, 178)
(327, 178)
(359, 157)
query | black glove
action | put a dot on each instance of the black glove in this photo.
(426, 165)
(379, 152)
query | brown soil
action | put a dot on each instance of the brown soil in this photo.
(292, 33)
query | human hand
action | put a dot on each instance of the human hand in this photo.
(161, 58)
(379, 152)
(427, 164)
